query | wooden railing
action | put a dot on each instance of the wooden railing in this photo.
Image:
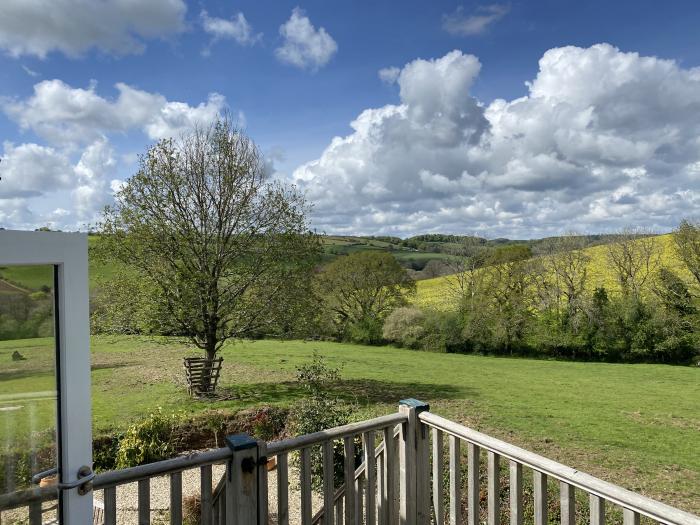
(405, 461)
(599, 492)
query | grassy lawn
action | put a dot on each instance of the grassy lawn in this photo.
(636, 425)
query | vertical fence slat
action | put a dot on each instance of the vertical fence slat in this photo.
(567, 497)
(370, 475)
(175, 498)
(282, 489)
(390, 477)
(328, 487)
(359, 491)
(473, 453)
(438, 480)
(597, 508)
(110, 500)
(263, 507)
(144, 501)
(540, 495)
(455, 483)
(339, 511)
(205, 491)
(630, 517)
(381, 487)
(516, 493)
(494, 488)
(222, 509)
(422, 473)
(35, 513)
(349, 473)
(305, 480)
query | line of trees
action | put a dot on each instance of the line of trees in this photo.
(508, 302)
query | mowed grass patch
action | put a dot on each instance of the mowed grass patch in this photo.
(636, 425)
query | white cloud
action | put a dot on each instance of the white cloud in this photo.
(73, 27)
(389, 75)
(478, 22)
(29, 170)
(93, 180)
(602, 139)
(65, 115)
(303, 45)
(237, 29)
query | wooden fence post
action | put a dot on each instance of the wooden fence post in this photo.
(243, 481)
(414, 465)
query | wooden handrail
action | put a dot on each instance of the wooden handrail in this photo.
(308, 440)
(160, 468)
(630, 500)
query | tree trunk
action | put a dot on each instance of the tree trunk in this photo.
(210, 349)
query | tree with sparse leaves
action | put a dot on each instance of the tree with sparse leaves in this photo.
(227, 250)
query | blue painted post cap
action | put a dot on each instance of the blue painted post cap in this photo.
(420, 406)
(240, 442)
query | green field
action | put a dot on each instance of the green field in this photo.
(636, 425)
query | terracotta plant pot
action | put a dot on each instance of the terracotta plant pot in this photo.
(49, 481)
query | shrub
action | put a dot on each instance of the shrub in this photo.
(148, 440)
(366, 331)
(104, 452)
(404, 326)
(319, 411)
(442, 332)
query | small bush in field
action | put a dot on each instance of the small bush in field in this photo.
(404, 326)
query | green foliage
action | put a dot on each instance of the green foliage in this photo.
(359, 291)
(404, 326)
(320, 410)
(219, 243)
(148, 440)
(104, 452)
(25, 316)
(687, 243)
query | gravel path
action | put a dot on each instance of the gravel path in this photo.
(127, 496)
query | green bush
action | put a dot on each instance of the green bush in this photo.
(148, 440)
(366, 331)
(320, 410)
(442, 332)
(404, 326)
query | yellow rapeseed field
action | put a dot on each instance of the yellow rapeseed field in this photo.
(436, 293)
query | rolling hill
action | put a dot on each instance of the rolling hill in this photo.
(436, 293)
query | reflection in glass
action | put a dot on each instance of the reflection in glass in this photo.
(27, 379)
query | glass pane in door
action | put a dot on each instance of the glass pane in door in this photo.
(28, 390)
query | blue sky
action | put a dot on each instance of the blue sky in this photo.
(294, 107)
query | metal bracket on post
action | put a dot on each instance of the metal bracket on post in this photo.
(242, 480)
(414, 467)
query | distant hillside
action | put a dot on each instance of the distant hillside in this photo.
(435, 292)
(413, 253)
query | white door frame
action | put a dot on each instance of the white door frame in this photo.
(68, 253)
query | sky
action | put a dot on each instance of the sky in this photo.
(512, 119)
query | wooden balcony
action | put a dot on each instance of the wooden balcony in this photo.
(402, 468)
